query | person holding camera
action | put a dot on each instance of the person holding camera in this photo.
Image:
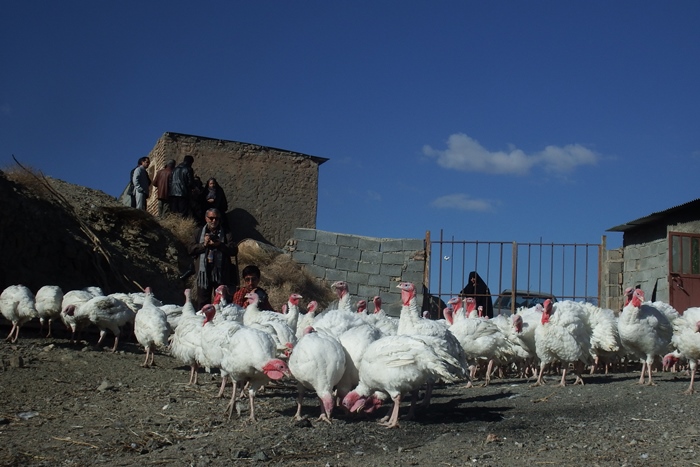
(212, 249)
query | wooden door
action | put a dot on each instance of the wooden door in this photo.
(684, 270)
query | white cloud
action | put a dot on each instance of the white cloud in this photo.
(463, 202)
(373, 195)
(467, 155)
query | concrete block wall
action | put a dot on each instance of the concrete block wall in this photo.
(612, 280)
(646, 264)
(371, 266)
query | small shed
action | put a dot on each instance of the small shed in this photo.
(661, 254)
(270, 191)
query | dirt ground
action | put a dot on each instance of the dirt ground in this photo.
(75, 405)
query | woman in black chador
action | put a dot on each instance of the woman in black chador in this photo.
(477, 288)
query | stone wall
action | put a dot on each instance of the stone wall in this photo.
(270, 191)
(371, 266)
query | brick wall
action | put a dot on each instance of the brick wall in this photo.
(371, 266)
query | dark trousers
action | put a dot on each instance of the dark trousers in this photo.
(204, 296)
(180, 205)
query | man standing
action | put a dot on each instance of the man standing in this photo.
(162, 183)
(212, 249)
(181, 186)
(142, 183)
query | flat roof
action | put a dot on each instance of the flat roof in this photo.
(318, 160)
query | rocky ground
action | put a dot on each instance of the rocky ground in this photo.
(74, 405)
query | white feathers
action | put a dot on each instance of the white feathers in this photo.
(17, 306)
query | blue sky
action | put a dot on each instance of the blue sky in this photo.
(499, 121)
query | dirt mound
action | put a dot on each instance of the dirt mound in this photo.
(53, 232)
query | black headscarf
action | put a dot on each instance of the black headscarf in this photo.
(480, 292)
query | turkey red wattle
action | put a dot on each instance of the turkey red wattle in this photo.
(408, 291)
(354, 402)
(547, 312)
(276, 369)
(637, 298)
(209, 312)
(518, 323)
(371, 404)
(447, 313)
(377, 303)
(471, 304)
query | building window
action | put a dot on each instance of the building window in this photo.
(685, 253)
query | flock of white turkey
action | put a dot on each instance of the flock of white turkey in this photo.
(357, 359)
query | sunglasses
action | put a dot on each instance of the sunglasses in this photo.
(211, 218)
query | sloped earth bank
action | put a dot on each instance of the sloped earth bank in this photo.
(74, 405)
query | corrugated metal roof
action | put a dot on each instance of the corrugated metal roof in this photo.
(653, 217)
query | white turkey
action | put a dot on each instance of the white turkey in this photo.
(645, 332)
(520, 354)
(482, 339)
(379, 318)
(629, 291)
(318, 363)
(410, 323)
(48, 302)
(292, 313)
(249, 356)
(17, 306)
(151, 327)
(355, 341)
(270, 322)
(605, 340)
(215, 334)
(401, 364)
(335, 321)
(94, 290)
(185, 342)
(226, 309)
(130, 300)
(470, 309)
(71, 313)
(377, 302)
(173, 313)
(108, 313)
(564, 335)
(686, 338)
(526, 322)
(307, 319)
(344, 300)
(666, 308)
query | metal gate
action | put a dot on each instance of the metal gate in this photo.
(567, 271)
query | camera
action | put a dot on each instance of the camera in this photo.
(213, 237)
